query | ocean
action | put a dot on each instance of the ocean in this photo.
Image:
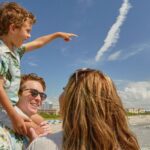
(143, 135)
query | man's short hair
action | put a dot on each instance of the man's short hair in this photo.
(29, 77)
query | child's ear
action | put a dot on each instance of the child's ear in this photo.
(12, 28)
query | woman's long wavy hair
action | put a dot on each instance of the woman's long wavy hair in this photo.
(93, 114)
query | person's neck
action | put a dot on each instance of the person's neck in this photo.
(22, 108)
(7, 42)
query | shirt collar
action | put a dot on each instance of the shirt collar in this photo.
(4, 48)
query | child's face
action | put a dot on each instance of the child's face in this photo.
(22, 34)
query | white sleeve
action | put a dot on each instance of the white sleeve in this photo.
(5, 120)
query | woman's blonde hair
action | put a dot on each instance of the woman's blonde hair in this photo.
(93, 114)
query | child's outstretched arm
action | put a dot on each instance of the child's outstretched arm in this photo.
(17, 122)
(41, 41)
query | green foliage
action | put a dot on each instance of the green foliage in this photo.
(49, 116)
(135, 114)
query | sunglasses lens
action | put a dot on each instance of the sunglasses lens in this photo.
(43, 96)
(34, 93)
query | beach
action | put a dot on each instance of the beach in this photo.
(139, 119)
(140, 125)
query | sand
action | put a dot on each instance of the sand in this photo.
(139, 119)
(133, 120)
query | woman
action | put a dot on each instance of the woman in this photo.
(93, 114)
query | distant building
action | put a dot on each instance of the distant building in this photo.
(46, 105)
(49, 107)
(135, 110)
(141, 110)
(147, 110)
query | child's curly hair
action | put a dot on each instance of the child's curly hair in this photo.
(13, 13)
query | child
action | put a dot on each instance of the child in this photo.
(15, 27)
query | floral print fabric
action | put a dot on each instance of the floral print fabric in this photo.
(11, 141)
(10, 70)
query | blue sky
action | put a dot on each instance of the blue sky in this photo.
(122, 39)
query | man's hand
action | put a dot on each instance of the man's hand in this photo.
(32, 135)
(42, 129)
(46, 127)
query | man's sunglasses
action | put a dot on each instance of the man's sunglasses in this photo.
(35, 93)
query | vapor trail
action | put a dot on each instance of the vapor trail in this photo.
(113, 34)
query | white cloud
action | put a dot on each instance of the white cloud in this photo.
(114, 56)
(134, 50)
(129, 52)
(113, 34)
(32, 64)
(135, 94)
(123, 54)
(66, 50)
(87, 62)
(31, 61)
(87, 3)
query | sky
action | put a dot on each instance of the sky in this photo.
(113, 36)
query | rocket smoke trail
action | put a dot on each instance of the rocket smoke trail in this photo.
(113, 34)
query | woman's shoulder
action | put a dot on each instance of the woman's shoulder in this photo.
(56, 139)
(56, 136)
(52, 141)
